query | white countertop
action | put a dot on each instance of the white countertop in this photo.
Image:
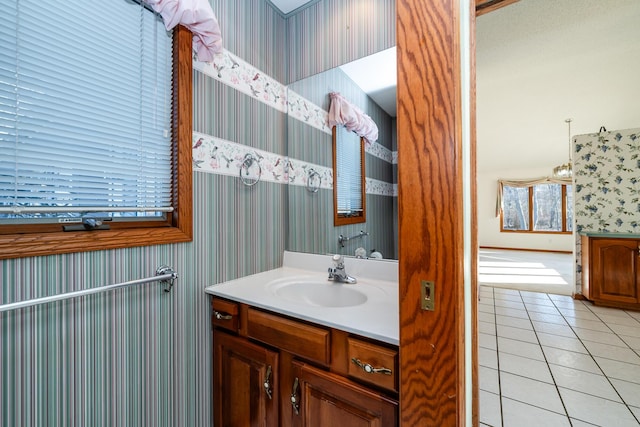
(377, 318)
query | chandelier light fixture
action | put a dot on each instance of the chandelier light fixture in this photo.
(565, 170)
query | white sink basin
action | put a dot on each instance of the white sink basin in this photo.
(318, 293)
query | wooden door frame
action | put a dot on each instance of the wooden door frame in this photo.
(432, 229)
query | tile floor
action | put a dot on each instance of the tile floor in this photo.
(549, 360)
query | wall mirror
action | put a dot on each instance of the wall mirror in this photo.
(313, 227)
(349, 198)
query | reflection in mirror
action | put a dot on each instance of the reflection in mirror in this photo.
(349, 201)
(309, 146)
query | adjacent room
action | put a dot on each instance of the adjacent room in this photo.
(557, 86)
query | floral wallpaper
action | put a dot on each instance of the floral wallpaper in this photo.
(244, 77)
(606, 175)
(219, 156)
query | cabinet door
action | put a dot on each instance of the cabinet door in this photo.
(244, 383)
(615, 270)
(326, 399)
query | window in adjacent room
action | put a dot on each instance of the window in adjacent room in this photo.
(538, 208)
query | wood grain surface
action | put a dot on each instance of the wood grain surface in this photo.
(430, 213)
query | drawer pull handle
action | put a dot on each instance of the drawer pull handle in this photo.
(222, 316)
(267, 383)
(370, 369)
(294, 397)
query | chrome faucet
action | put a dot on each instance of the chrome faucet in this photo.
(337, 273)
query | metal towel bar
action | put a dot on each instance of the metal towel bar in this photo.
(165, 275)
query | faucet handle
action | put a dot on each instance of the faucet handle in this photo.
(338, 259)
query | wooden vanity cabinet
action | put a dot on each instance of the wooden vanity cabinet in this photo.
(243, 392)
(310, 370)
(328, 399)
(611, 273)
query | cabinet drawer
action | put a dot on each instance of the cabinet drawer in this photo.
(301, 339)
(224, 314)
(372, 363)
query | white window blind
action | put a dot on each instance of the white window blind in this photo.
(349, 171)
(85, 110)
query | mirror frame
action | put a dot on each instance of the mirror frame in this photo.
(342, 219)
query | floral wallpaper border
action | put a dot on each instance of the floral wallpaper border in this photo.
(244, 77)
(219, 156)
(222, 157)
(235, 72)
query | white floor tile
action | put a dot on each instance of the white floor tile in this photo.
(608, 311)
(489, 380)
(595, 410)
(565, 298)
(501, 299)
(578, 314)
(525, 367)
(515, 322)
(490, 411)
(517, 334)
(488, 341)
(549, 318)
(630, 331)
(630, 392)
(597, 336)
(536, 298)
(634, 314)
(571, 305)
(513, 312)
(632, 342)
(487, 328)
(594, 325)
(636, 412)
(487, 317)
(486, 308)
(585, 382)
(620, 320)
(532, 392)
(612, 352)
(505, 291)
(571, 359)
(518, 305)
(619, 370)
(571, 344)
(520, 348)
(488, 358)
(537, 308)
(554, 329)
(593, 356)
(517, 414)
(578, 423)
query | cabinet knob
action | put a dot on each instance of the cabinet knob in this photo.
(267, 383)
(370, 369)
(222, 316)
(294, 397)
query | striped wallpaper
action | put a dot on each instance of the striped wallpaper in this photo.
(141, 356)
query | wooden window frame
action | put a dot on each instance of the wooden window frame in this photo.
(23, 241)
(531, 230)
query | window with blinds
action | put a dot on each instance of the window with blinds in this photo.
(349, 194)
(85, 112)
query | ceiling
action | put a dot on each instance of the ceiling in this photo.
(539, 62)
(376, 76)
(288, 6)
